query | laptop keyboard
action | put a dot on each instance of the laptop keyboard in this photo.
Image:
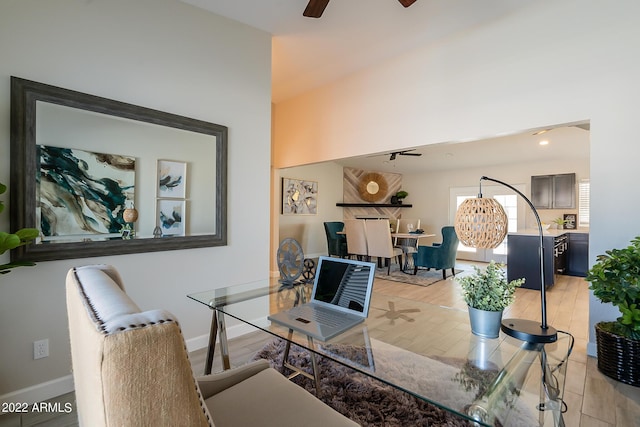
(317, 314)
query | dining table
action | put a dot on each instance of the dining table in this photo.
(409, 246)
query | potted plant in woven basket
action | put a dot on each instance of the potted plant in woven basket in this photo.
(487, 293)
(615, 279)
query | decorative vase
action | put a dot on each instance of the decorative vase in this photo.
(395, 200)
(618, 356)
(130, 215)
(485, 323)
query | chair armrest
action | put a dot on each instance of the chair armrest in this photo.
(424, 250)
(426, 254)
(215, 383)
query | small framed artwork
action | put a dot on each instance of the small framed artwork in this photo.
(299, 197)
(570, 222)
(172, 179)
(170, 217)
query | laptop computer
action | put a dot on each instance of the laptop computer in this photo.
(339, 300)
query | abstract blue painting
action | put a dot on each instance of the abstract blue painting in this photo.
(172, 177)
(82, 194)
(171, 217)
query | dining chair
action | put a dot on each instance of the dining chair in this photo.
(380, 244)
(336, 243)
(356, 239)
(440, 256)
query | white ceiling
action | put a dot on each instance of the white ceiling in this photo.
(354, 34)
(563, 142)
(351, 34)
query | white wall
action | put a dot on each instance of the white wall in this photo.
(429, 194)
(430, 191)
(160, 54)
(554, 62)
(309, 229)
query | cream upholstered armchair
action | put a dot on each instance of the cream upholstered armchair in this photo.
(131, 368)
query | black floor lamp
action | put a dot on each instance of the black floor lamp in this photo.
(482, 223)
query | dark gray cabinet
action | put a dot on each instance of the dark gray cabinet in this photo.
(578, 262)
(554, 191)
(523, 260)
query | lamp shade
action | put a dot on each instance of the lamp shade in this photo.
(481, 223)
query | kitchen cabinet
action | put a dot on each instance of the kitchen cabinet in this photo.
(554, 191)
(578, 255)
(523, 260)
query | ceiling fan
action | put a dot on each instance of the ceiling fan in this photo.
(392, 156)
(315, 8)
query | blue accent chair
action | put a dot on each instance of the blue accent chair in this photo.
(440, 256)
(336, 243)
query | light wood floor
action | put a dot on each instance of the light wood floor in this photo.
(593, 400)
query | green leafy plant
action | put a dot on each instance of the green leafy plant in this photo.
(401, 194)
(615, 279)
(10, 241)
(489, 289)
(559, 222)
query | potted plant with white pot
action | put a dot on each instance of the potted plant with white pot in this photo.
(615, 279)
(559, 222)
(487, 293)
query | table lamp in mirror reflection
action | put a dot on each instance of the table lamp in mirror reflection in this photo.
(129, 215)
(482, 223)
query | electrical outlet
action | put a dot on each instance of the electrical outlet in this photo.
(40, 349)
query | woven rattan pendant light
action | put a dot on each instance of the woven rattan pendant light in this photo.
(481, 223)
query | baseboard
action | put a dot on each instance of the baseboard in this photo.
(40, 392)
(50, 389)
(315, 256)
(234, 331)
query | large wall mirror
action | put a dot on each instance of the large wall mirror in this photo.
(83, 166)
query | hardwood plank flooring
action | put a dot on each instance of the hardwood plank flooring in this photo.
(593, 399)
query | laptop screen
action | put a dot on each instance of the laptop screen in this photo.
(344, 283)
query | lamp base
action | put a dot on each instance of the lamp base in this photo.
(529, 331)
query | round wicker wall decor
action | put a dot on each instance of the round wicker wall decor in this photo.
(372, 187)
(481, 223)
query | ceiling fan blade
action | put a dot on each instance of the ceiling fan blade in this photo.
(407, 3)
(315, 8)
(408, 153)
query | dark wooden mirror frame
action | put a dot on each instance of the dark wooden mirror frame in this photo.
(24, 95)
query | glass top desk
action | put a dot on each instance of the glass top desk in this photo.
(419, 348)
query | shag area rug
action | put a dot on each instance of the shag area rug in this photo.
(423, 278)
(363, 399)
